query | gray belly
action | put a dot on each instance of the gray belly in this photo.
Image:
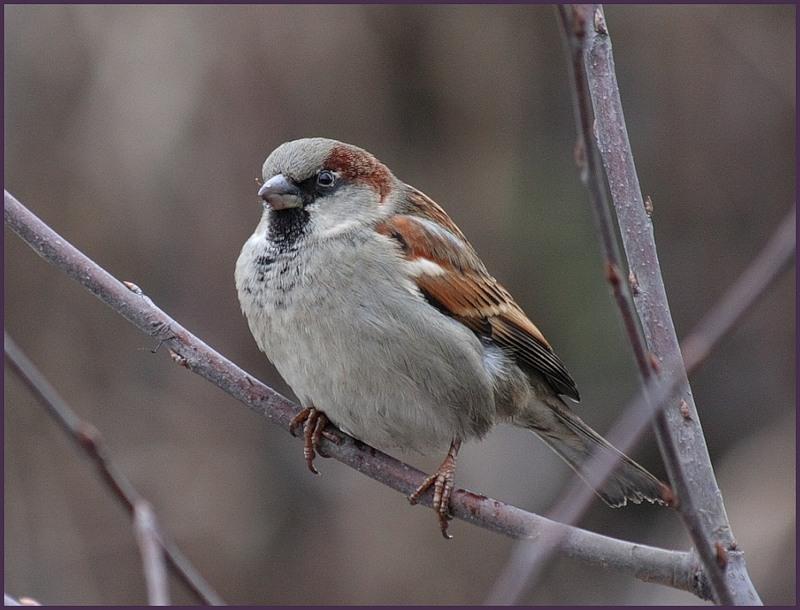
(384, 365)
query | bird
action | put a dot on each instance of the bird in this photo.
(381, 317)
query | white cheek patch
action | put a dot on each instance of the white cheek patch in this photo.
(423, 266)
(342, 212)
(342, 227)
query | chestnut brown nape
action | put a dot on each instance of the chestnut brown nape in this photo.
(358, 166)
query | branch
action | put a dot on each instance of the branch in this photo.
(88, 438)
(776, 256)
(149, 539)
(671, 568)
(525, 565)
(658, 353)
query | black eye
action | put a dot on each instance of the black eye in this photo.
(326, 179)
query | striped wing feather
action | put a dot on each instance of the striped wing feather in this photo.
(459, 285)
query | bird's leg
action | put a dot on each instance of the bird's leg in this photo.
(442, 481)
(313, 421)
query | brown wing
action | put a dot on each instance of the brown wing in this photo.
(457, 283)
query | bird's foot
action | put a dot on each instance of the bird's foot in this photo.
(443, 483)
(313, 422)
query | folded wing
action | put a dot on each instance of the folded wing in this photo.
(452, 278)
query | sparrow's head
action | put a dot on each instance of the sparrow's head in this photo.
(324, 187)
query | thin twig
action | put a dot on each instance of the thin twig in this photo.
(88, 438)
(671, 568)
(149, 540)
(770, 262)
(690, 471)
(525, 565)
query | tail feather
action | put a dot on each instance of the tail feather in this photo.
(575, 442)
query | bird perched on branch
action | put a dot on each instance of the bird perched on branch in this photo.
(381, 317)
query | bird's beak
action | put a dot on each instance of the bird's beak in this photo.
(280, 193)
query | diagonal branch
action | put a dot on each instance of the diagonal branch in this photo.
(671, 568)
(773, 259)
(680, 437)
(88, 438)
(149, 538)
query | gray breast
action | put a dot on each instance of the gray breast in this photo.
(353, 339)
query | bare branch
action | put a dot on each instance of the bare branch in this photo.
(149, 539)
(88, 438)
(776, 256)
(690, 470)
(672, 568)
(525, 565)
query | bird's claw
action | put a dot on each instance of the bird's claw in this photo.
(313, 422)
(443, 483)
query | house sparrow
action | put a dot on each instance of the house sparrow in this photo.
(378, 313)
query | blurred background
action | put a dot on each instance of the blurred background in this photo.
(138, 132)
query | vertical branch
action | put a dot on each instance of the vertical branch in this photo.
(591, 172)
(680, 438)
